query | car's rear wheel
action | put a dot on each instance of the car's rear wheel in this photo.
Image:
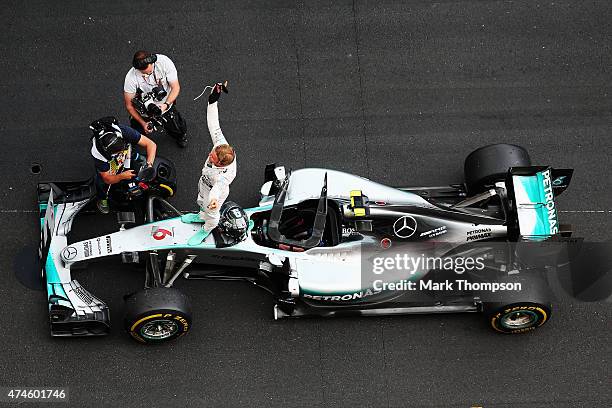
(157, 315)
(521, 310)
(517, 317)
(489, 164)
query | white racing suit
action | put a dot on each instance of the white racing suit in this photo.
(215, 181)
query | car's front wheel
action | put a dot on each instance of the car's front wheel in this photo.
(157, 315)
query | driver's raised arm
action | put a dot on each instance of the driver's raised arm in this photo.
(212, 119)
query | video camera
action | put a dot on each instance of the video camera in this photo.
(136, 187)
(146, 103)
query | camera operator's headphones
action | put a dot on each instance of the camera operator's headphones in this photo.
(108, 137)
(142, 63)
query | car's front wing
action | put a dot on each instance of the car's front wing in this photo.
(72, 309)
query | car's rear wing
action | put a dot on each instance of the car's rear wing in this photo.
(531, 193)
(72, 309)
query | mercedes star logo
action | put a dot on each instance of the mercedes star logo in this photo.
(69, 253)
(405, 227)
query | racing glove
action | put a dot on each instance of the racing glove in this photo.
(216, 92)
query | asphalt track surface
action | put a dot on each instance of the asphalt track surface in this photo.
(396, 91)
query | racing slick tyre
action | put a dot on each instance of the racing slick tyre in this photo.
(488, 164)
(518, 311)
(517, 317)
(157, 315)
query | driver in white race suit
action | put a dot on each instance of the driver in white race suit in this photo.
(217, 174)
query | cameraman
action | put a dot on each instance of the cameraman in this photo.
(155, 74)
(112, 151)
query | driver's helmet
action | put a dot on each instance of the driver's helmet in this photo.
(233, 221)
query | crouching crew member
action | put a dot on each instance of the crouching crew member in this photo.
(112, 150)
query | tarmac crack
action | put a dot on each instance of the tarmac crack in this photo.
(361, 97)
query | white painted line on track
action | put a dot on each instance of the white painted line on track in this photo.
(587, 211)
(187, 211)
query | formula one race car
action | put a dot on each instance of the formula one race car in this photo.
(316, 242)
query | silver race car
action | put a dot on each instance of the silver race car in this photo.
(325, 243)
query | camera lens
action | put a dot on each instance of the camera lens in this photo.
(159, 93)
(153, 110)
